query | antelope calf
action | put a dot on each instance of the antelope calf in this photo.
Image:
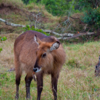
(97, 68)
(41, 54)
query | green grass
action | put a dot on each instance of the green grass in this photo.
(76, 81)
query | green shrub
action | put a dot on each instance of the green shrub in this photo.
(29, 1)
(2, 39)
(92, 17)
(35, 29)
(58, 7)
(0, 49)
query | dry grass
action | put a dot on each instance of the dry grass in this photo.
(76, 81)
(41, 8)
(6, 55)
(16, 12)
(12, 3)
(48, 20)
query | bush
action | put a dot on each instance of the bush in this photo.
(2, 39)
(92, 18)
(29, 1)
(35, 29)
(58, 7)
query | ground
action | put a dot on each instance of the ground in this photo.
(76, 82)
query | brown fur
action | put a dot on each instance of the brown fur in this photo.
(27, 54)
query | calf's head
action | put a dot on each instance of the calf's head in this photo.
(44, 54)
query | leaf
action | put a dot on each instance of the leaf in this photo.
(0, 49)
(3, 39)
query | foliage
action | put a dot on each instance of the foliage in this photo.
(26, 1)
(62, 7)
(30, 1)
(0, 49)
(91, 9)
(85, 4)
(92, 17)
(57, 8)
(35, 29)
(2, 39)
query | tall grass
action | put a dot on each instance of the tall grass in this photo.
(76, 81)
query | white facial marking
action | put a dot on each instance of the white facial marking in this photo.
(38, 70)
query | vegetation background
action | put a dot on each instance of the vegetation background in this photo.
(77, 80)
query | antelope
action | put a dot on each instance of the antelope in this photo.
(36, 53)
(97, 68)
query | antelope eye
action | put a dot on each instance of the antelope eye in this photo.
(43, 55)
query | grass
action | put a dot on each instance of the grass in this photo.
(19, 13)
(13, 3)
(76, 81)
(41, 8)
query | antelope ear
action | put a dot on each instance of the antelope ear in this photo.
(37, 40)
(55, 46)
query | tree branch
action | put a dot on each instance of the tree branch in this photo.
(55, 33)
(76, 36)
(11, 24)
(65, 36)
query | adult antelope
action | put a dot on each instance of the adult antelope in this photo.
(36, 52)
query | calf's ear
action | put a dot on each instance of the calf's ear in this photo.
(55, 46)
(37, 40)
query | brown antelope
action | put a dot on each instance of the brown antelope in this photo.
(97, 68)
(36, 52)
